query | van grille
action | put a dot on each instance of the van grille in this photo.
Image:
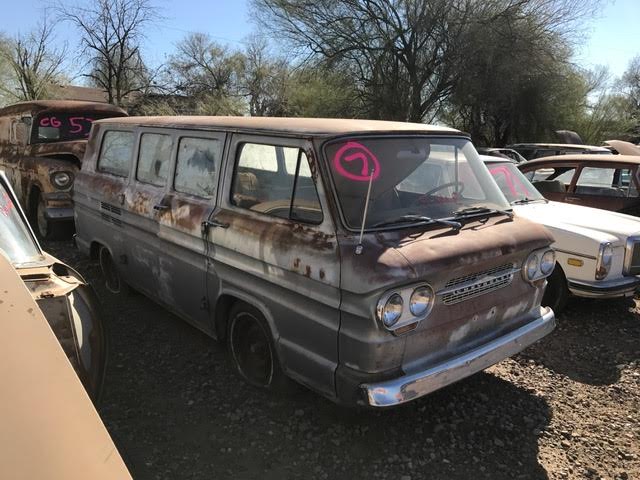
(110, 208)
(463, 288)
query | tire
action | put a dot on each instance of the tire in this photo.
(557, 292)
(46, 229)
(112, 279)
(252, 350)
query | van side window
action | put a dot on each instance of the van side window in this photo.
(197, 167)
(276, 181)
(115, 153)
(154, 158)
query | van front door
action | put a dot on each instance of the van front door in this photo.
(190, 201)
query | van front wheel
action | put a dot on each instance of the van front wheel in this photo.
(251, 347)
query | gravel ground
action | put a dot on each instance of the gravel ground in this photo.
(568, 407)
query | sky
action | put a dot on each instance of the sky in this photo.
(613, 38)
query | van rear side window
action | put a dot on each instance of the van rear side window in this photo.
(116, 152)
(197, 166)
(154, 158)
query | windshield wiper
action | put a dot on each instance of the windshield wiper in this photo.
(480, 210)
(525, 200)
(419, 219)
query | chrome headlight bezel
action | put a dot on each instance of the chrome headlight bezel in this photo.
(61, 179)
(604, 260)
(532, 266)
(409, 314)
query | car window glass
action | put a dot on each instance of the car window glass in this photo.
(197, 166)
(15, 240)
(154, 158)
(261, 157)
(115, 153)
(259, 187)
(608, 182)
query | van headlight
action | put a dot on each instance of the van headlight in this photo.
(539, 265)
(61, 179)
(393, 315)
(391, 310)
(548, 262)
(421, 301)
(604, 260)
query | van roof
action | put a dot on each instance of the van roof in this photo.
(310, 126)
(59, 105)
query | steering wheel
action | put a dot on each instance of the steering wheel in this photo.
(422, 198)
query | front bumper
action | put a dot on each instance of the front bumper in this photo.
(58, 206)
(413, 385)
(620, 287)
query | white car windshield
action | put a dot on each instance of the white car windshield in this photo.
(513, 184)
(411, 177)
(15, 239)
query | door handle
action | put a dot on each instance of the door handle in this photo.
(207, 224)
(160, 207)
(572, 199)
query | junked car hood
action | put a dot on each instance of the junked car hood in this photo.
(438, 254)
(601, 225)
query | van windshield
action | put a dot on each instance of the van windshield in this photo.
(438, 178)
(64, 126)
(15, 239)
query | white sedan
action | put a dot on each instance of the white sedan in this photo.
(597, 251)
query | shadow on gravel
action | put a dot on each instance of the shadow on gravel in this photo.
(593, 341)
(176, 410)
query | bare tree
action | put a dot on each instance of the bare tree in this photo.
(406, 57)
(207, 74)
(111, 32)
(33, 65)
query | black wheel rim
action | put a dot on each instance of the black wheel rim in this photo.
(251, 350)
(111, 277)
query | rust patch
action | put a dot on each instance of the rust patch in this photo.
(296, 263)
(322, 274)
(307, 271)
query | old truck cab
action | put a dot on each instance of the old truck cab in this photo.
(41, 147)
(374, 262)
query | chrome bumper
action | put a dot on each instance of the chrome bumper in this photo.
(58, 213)
(413, 385)
(621, 287)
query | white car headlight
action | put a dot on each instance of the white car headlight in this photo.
(391, 311)
(604, 260)
(548, 262)
(421, 301)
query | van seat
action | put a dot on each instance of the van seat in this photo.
(246, 189)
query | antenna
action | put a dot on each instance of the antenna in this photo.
(364, 214)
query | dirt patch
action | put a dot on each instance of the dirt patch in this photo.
(568, 407)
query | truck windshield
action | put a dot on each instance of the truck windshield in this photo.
(63, 126)
(427, 177)
(15, 239)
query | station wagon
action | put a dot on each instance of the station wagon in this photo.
(41, 147)
(373, 262)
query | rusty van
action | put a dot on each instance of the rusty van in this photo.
(373, 262)
(41, 146)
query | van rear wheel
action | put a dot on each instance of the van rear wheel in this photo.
(112, 279)
(251, 348)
